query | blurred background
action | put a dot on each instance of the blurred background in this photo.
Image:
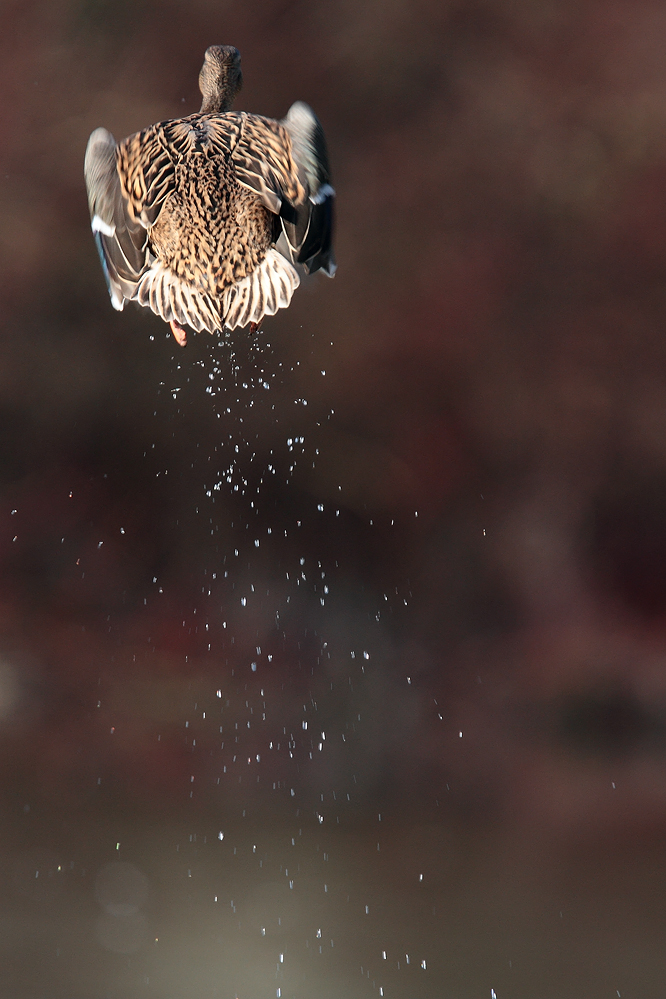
(333, 657)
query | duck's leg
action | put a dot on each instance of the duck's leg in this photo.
(255, 326)
(179, 333)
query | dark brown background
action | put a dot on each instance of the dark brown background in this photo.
(463, 436)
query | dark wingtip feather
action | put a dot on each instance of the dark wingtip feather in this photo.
(316, 252)
(310, 235)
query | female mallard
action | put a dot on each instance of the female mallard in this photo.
(203, 218)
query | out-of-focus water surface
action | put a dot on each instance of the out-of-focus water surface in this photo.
(333, 657)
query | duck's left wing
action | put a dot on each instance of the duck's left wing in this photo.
(127, 185)
(121, 240)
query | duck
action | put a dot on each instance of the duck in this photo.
(210, 220)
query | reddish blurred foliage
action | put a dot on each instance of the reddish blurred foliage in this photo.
(463, 435)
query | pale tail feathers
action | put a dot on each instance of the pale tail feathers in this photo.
(269, 288)
(171, 299)
(261, 293)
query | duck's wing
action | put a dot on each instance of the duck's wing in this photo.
(147, 173)
(311, 235)
(286, 165)
(121, 240)
(262, 159)
(127, 185)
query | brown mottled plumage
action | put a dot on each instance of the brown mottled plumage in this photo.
(206, 219)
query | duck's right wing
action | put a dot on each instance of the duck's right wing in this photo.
(285, 163)
(310, 235)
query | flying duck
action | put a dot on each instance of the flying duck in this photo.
(208, 219)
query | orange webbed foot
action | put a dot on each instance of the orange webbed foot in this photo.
(179, 333)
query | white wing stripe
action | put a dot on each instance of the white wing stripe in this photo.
(99, 225)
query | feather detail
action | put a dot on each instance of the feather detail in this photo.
(261, 293)
(147, 174)
(173, 299)
(263, 162)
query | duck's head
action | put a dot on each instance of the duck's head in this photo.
(220, 78)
